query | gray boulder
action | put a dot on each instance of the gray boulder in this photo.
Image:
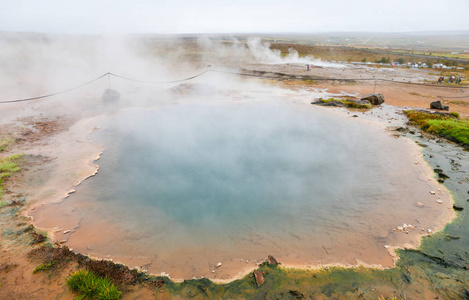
(374, 99)
(438, 105)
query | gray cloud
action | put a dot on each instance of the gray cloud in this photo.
(122, 16)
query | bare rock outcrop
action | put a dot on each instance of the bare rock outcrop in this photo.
(260, 280)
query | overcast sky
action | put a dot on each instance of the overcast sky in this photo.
(231, 16)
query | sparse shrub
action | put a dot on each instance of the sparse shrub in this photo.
(88, 285)
(454, 114)
(384, 60)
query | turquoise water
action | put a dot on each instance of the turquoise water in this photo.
(222, 165)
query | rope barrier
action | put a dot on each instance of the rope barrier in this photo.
(91, 81)
(273, 75)
(55, 94)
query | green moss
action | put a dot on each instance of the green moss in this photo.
(449, 126)
(455, 130)
(43, 267)
(348, 103)
(352, 104)
(88, 285)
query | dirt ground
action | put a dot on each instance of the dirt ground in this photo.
(32, 131)
(395, 93)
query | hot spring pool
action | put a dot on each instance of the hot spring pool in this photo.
(184, 187)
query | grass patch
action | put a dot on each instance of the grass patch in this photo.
(421, 95)
(7, 167)
(88, 285)
(5, 142)
(43, 267)
(459, 102)
(449, 126)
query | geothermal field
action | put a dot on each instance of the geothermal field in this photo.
(199, 157)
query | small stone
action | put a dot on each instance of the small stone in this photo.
(432, 192)
(439, 201)
(419, 204)
(457, 207)
(429, 230)
(66, 231)
(218, 265)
